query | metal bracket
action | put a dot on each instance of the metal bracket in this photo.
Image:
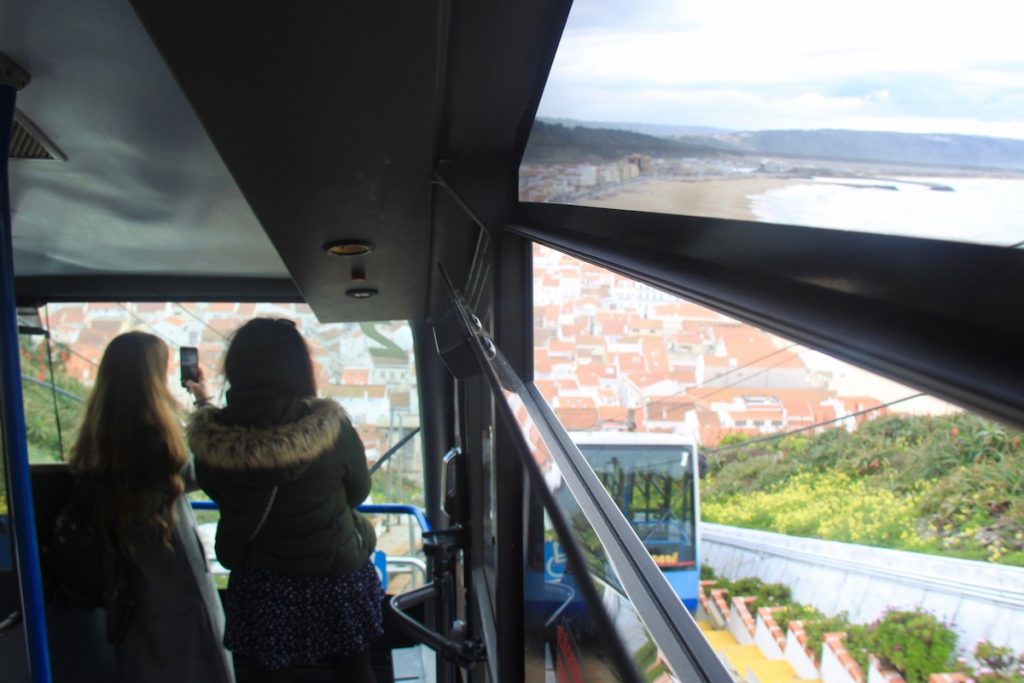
(12, 74)
(461, 652)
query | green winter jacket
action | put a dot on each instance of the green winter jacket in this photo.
(309, 450)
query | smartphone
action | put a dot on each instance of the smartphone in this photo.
(189, 356)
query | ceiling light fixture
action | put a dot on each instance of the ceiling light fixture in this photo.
(363, 293)
(348, 247)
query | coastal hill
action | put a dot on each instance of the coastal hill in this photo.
(968, 151)
(578, 142)
(553, 143)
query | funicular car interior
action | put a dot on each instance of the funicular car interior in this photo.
(209, 152)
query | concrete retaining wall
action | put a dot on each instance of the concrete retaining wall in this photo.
(980, 599)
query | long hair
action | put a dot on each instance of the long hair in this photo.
(129, 445)
(268, 354)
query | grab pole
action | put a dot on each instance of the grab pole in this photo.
(19, 496)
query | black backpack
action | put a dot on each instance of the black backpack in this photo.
(81, 571)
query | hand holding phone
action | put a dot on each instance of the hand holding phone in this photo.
(189, 361)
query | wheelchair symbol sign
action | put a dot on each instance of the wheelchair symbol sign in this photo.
(554, 561)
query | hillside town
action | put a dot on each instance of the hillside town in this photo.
(610, 354)
(614, 354)
(571, 182)
(367, 367)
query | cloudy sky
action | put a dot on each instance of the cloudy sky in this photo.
(941, 66)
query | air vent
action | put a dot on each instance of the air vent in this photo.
(28, 142)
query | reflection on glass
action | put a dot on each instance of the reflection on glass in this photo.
(900, 119)
(561, 634)
(559, 629)
(651, 479)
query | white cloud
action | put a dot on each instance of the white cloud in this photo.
(791, 60)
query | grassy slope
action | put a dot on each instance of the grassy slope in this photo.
(951, 484)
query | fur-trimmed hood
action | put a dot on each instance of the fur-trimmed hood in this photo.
(289, 445)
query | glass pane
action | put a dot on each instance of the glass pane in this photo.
(561, 637)
(878, 117)
(560, 631)
(369, 368)
(794, 450)
(53, 402)
(651, 478)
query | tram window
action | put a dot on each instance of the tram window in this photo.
(789, 440)
(52, 398)
(368, 367)
(899, 119)
(563, 638)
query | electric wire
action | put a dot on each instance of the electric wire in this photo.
(597, 423)
(202, 322)
(780, 435)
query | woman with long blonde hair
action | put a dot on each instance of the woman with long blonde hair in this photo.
(130, 458)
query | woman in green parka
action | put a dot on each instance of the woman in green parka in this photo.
(287, 470)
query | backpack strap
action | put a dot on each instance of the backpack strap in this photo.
(266, 513)
(259, 525)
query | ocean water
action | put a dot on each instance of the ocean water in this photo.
(979, 210)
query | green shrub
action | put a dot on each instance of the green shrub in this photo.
(733, 438)
(753, 474)
(707, 573)
(748, 585)
(795, 612)
(817, 629)
(999, 664)
(914, 643)
(771, 595)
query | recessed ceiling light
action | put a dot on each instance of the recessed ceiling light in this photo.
(364, 293)
(348, 247)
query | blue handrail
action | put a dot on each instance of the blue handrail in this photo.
(395, 509)
(14, 434)
(371, 509)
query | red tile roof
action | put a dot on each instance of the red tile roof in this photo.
(355, 376)
(578, 419)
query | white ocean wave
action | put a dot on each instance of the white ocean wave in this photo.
(981, 210)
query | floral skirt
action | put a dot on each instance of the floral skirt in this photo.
(278, 620)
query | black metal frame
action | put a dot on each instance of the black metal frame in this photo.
(35, 291)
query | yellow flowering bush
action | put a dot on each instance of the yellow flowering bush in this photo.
(951, 484)
(831, 505)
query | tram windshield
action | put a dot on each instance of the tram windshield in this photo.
(653, 485)
(367, 367)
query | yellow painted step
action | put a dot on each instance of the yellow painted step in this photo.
(705, 625)
(770, 671)
(719, 639)
(739, 657)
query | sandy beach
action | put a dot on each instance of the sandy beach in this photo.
(719, 198)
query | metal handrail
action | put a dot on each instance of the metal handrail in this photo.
(369, 509)
(397, 509)
(13, 77)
